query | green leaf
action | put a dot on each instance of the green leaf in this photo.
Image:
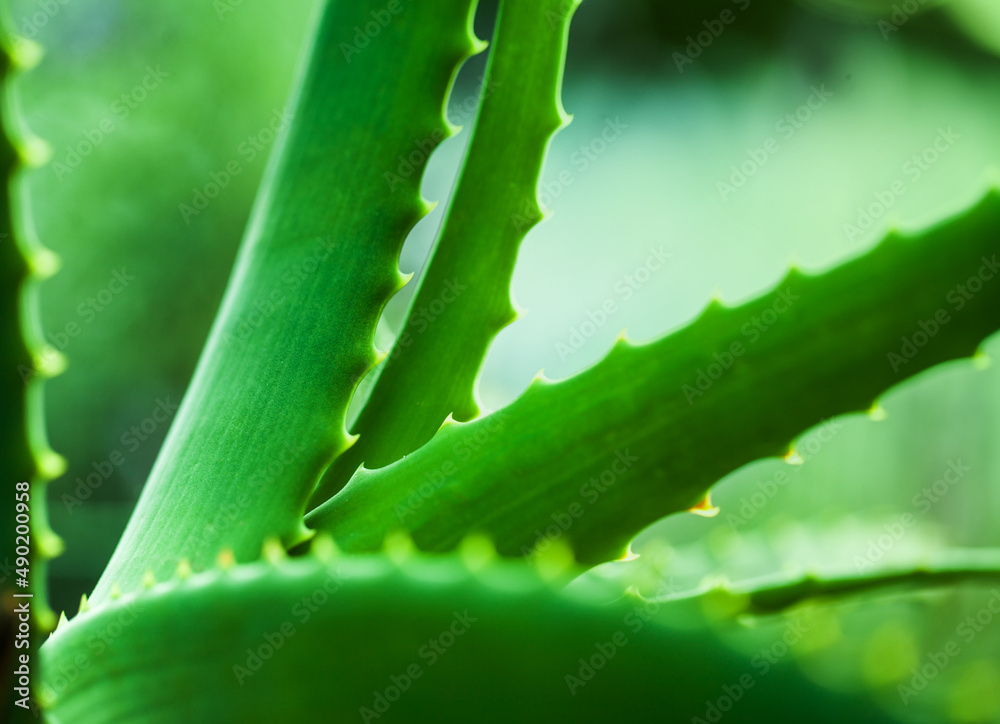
(264, 414)
(397, 639)
(464, 299)
(644, 433)
(771, 594)
(25, 358)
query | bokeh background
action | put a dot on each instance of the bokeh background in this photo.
(142, 102)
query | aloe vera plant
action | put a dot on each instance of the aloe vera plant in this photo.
(282, 566)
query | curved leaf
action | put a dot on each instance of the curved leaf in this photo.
(26, 359)
(362, 638)
(645, 433)
(264, 414)
(464, 298)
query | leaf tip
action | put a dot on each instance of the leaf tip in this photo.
(479, 45)
(449, 421)
(398, 546)
(26, 53)
(877, 413)
(629, 555)
(624, 340)
(34, 152)
(541, 379)
(49, 362)
(555, 560)
(792, 457)
(50, 465)
(426, 206)
(716, 301)
(183, 570)
(704, 507)
(477, 550)
(516, 311)
(226, 559)
(44, 263)
(272, 551)
(323, 548)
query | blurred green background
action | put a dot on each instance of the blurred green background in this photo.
(142, 102)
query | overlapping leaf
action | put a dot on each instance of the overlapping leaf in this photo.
(377, 638)
(464, 297)
(646, 432)
(264, 414)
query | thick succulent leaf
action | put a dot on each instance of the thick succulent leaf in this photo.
(27, 461)
(644, 433)
(264, 414)
(362, 638)
(770, 594)
(464, 299)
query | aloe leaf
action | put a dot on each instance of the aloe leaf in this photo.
(593, 459)
(772, 594)
(396, 638)
(264, 414)
(464, 299)
(27, 459)
(28, 462)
